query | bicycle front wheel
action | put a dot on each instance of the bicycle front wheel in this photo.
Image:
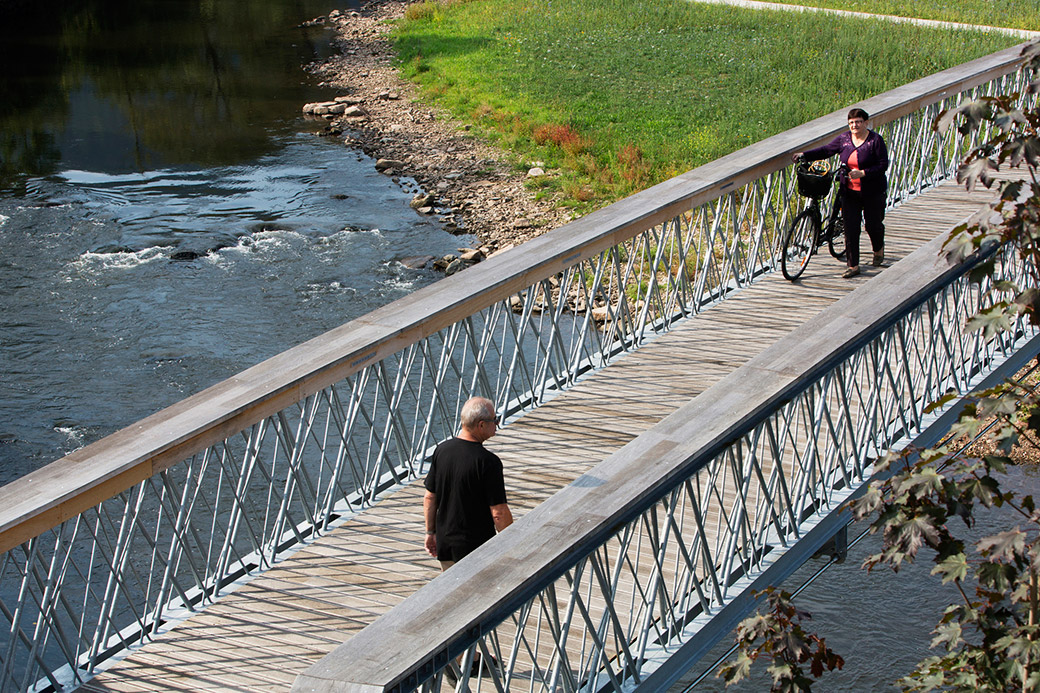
(799, 245)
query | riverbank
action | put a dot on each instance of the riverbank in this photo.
(475, 188)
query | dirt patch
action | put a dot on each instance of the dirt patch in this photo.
(473, 187)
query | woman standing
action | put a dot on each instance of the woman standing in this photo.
(863, 188)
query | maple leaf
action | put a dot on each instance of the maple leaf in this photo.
(952, 568)
(1004, 546)
(978, 170)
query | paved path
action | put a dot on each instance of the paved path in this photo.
(757, 5)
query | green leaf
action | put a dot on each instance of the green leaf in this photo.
(942, 401)
(960, 244)
(731, 672)
(995, 576)
(1010, 190)
(921, 482)
(952, 568)
(948, 635)
(990, 321)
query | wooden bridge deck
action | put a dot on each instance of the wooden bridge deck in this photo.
(274, 626)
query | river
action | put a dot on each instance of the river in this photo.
(167, 215)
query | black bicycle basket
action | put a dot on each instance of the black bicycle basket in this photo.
(811, 184)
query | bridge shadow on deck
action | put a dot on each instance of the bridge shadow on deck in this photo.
(273, 627)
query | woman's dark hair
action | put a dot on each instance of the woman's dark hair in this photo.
(858, 113)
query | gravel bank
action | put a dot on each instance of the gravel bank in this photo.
(474, 187)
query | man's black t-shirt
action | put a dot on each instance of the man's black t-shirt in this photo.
(467, 480)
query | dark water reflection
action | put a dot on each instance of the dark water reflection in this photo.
(120, 85)
(167, 217)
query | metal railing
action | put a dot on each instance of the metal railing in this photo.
(103, 546)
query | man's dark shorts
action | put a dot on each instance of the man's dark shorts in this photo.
(454, 553)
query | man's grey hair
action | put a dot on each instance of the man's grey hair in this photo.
(475, 410)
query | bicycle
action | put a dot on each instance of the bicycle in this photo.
(807, 232)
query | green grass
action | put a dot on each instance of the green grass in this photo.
(619, 100)
(1014, 14)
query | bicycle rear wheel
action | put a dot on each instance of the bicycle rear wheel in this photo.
(836, 239)
(799, 245)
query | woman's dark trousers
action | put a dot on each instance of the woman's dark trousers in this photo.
(859, 210)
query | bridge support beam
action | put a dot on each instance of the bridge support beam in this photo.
(837, 548)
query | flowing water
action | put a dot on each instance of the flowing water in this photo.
(167, 216)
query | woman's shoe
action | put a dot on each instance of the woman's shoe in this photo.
(850, 272)
(879, 257)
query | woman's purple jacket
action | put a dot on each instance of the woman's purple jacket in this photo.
(873, 159)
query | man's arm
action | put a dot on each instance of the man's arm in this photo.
(429, 503)
(502, 516)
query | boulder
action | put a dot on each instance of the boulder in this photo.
(442, 263)
(417, 261)
(388, 164)
(318, 108)
(421, 200)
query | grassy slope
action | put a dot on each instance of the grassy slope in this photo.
(620, 100)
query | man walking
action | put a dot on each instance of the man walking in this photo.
(465, 501)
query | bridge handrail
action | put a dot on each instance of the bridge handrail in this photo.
(323, 428)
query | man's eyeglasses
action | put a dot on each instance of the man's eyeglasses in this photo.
(494, 420)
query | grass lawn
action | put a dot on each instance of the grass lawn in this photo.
(1014, 14)
(619, 100)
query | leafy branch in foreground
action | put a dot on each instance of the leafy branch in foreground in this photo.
(989, 640)
(785, 642)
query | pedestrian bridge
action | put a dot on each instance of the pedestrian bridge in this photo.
(683, 427)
